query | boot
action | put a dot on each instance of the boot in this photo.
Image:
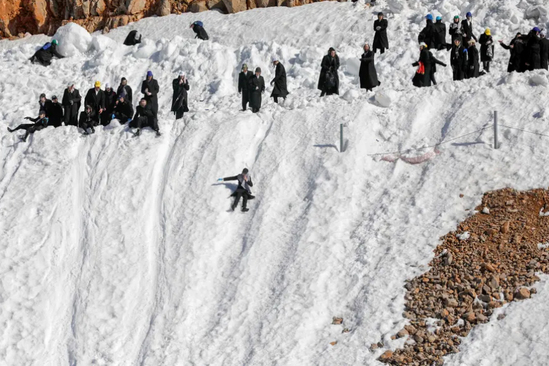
(138, 132)
(10, 130)
(244, 209)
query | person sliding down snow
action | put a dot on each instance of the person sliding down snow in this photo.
(198, 28)
(144, 117)
(44, 55)
(88, 119)
(39, 123)
(243, 190)
(280, 89)
(132, 39)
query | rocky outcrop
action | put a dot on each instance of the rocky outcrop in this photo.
(45, 16)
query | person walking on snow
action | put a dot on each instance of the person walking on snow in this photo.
(46, 53)
(428, 34)
(257, 87)
(328, 82)
(367, 72)
(244, 80)
(39, 123)
(422, 78)
(381, 41)
(473, 60)
(440, 35)
(434, 63)
(96, 99)
(280, 89)
(150, 90)
(486, 49)
(243, 190)
(180, 96)
(71, 105)
(198, 28)
(516, 48)
(467, 28)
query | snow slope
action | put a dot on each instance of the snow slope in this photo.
(120, 251)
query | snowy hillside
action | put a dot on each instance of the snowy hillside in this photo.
(120, 251)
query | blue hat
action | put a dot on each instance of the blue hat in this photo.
(429, 17)
(149, 73)
(469, 15)
(439, 18)
(536, 29)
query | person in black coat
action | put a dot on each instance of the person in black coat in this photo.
(244, 79)
(428, 34)
(486, 49)
(150, 90)
(329, 79)
(46, 53)
(144, 117)
(180, 96)
(124, 90)
(123, 110)
(458, 60)
(44, 104)
(532, 60)
(280, 89)
(516, 48)
(71, 105)
(422, 78)
(39, 123)
(95, 99)
(434, 63)
(467, 28)
(257, 87)
(198, 28)
(440, 35)
(88, 119)
(110, 102)
(133, 38)
(455, 29)
(55, 113)
(367, 72)
(544, 50)
(381, 41)
(243, 190)
(473, 60)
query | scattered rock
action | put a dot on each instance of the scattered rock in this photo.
(402, 333)
(486, 211)
(337, 321)
(386, 356)
(333, 343)
(522, 293)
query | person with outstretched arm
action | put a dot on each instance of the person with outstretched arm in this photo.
(243, 190)
(39, 123)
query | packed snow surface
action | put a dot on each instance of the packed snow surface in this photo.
(120, 251)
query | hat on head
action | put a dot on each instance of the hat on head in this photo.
(54, 97)
(274, 58)
(429, 17)
(423, 44)
(245, 171)
(123, 79)
(149, 73)
(107, 86)
(469, 15)
(439, 18)
(258, 69)
(244, 66)
(456, 17)
(488, 32)
(536, 29)
(97, 84)
(543, 33)
(54, 42)
(42, 112)
(42, 95)
(472, 41)
(380, 13)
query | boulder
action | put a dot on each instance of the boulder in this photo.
(235, 6)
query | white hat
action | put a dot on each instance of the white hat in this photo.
(107, 86)
(543, 33)
(423, 44)
(274, 58)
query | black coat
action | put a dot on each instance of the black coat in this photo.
(486, 44)
(88, 120)
(240, 188)
(125, 91)
(455, 30)
(517, 54)
(152, 100)
(458, 60)
(95, 100)
(434, 63)
(144, 112)
(368, 73)
(533, 52)
(131, 39)
(440, 35)
(55, 114)
(123, 111)
(423, 80)
(71, 109)
(329, 64)
(473, 65)
(44, 56)
(280, 87)
(428, 35)
(44, 107)
(200, 32)
(544, 53)
(380, 38)
(467, 30)
(257, 86)
(244, 80)
(110, 100)
(180, 95)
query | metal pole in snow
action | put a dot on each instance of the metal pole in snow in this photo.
(341, 137)
(496, 143)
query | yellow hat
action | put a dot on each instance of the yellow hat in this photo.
(98, 84)
(487, 32)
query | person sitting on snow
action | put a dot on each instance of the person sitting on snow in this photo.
(198, 28)
(39, 123)
(144, 117)
(88, 119)
(132, 39)
(44, 104)
(243, 190)
(123, 110)
(45, 54)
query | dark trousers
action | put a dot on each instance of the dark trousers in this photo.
(486, 66)
(179, 113)
(381, 50)
(29, 127)
(106, 117)
(141, 122)
(245, 99)
(70, 120)
(121, 117)
(433, 79)
(276, 98)
(240, 193)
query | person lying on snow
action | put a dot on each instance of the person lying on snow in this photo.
(133, 38)
(198, 28)
(243, 190)
(39, 123)
(45, 54)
